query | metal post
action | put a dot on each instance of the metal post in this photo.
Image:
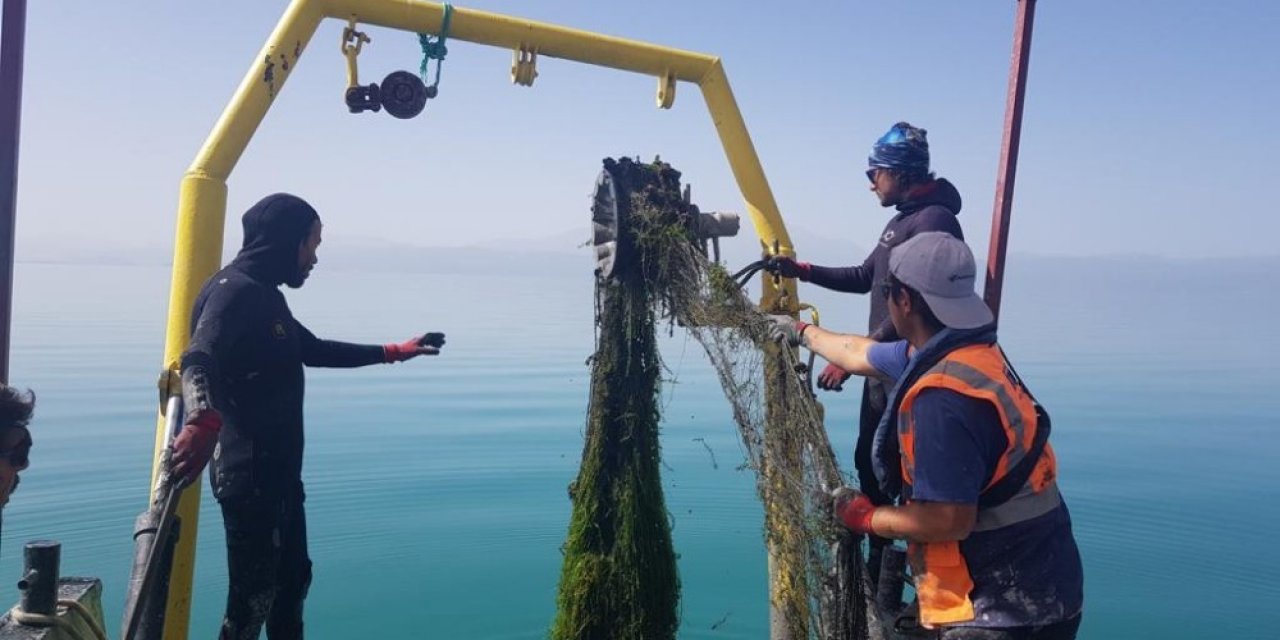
(39, 583)
(155, 534)
(892, 579)
(1009, 153)
(146, 598)
(11, 45)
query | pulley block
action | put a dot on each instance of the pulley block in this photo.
(613, 238)
(403, 94)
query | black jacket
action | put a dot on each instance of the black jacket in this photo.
(247, 355)
(932, 208)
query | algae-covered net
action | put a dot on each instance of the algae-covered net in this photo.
(619, 575)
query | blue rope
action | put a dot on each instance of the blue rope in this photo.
(433, 47)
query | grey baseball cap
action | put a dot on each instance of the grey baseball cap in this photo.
(942, 269)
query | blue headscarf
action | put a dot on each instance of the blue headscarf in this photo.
(903, 148)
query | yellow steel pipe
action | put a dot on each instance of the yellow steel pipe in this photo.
(202, 201)
(259, 88)
(494, 29)
(761, 207)
(241, 118)
(706, 71)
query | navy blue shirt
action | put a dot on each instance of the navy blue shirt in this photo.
(1025, 574)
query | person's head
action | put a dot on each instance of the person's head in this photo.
(931, 286)
(899, 162)
(281, 234)
(15, 440)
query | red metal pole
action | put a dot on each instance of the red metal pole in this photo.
(1009, 153)
(12, 31)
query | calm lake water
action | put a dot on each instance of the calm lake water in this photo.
(437, 488)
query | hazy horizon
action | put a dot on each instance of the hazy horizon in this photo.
(366, 251)
(1144, 132)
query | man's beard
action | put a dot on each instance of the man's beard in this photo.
(298, 279)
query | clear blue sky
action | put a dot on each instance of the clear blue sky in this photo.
(1150, 127)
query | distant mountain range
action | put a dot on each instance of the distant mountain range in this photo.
(564, 251)
(568, 253)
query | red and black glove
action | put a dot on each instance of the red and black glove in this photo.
(428, 344)
(194, 446)
(788, 268)
(854, 509)
(832, 378)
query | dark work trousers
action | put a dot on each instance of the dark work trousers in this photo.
(1065, 630)
(874, 399)
(268, 567)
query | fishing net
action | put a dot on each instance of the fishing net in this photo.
(619, 576)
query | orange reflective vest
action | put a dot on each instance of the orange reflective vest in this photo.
(942, 579)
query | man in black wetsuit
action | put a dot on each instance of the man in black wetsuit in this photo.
(898, 169)
(242, 386)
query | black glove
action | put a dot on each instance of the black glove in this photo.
(832, 378)
(433, 339)
(788, 268)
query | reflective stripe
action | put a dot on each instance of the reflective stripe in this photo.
(943, 582)
(904, 431)
(980, 381)
(1023, 506)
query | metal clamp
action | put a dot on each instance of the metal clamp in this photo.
(524, 66)
(781, 300)
(666, 90)
(169, 384)
(815, 320)
(813, 313)
(358, 97)
(352, 42)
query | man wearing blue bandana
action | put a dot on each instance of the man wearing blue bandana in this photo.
(898, 169)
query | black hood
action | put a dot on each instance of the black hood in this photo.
(939, 192)
(273, 230)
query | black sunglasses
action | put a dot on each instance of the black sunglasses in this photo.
(871, 174)
(20, 455)
(18, 458)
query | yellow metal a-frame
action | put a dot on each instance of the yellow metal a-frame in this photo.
(203, 198)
